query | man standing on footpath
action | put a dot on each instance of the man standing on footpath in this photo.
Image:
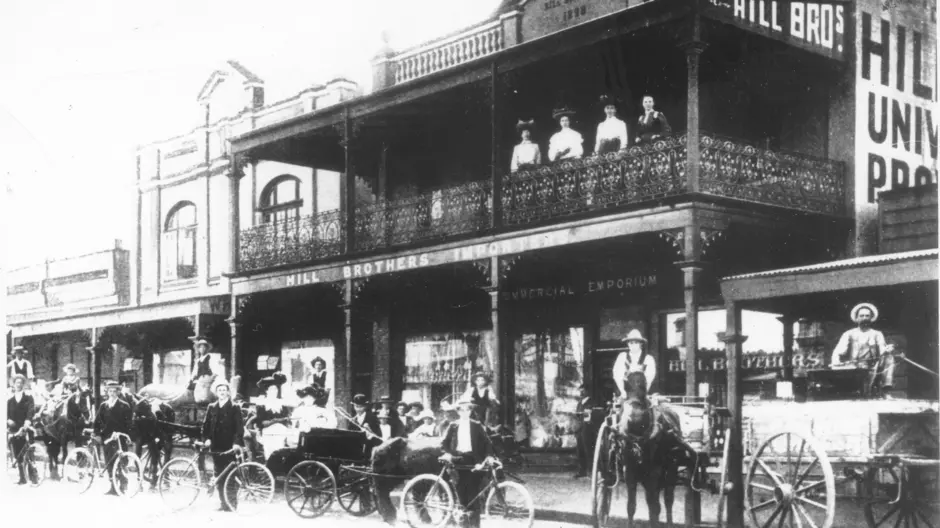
(223, 430)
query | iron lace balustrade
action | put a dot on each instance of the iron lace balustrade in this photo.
(434, 215)
(632, 175)
(291, 241)
(734, 169)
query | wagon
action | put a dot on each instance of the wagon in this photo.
(326, 465)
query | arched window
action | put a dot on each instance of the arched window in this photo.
(281, 199)
(179, 242)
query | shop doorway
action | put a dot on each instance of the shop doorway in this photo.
(297, 358)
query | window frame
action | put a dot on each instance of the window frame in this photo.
(174, 236)
(279, 212)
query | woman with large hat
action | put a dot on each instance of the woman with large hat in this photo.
(612, 131)
(312, 413)
(527, 154)
(566, 143)
(635, 359)
(271, 416)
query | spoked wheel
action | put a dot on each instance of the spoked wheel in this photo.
(248, 488)
(310, 489)
(790, 477)
(903, 495)
(127, 474)
(80, 469)
(602, 481)
(427, 501)
(180, 483)
(151, 472)
(354, 492)
(509, 504)
(725, 483)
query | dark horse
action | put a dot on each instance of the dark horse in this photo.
(60, 421)
(652, 449)
(400, 458)
(151, 417)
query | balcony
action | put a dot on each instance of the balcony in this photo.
(730, 169)
(459, 49)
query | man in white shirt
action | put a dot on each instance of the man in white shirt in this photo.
(634, 359)
(527, 154)
(466, 443)
(566, 143)
(866, 346)
(612, 131)
(20, 366)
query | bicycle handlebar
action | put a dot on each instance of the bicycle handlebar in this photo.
(236, 449)
(91, 432)
(23, 430)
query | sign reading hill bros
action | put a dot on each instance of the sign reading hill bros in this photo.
(815, 26)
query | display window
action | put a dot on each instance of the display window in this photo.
(439, 367)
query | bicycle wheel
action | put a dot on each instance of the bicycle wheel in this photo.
(80, 469)
(509, 503)
(180, 483)
(427, 501)
(309, 489)
(248, 488)
(127, 474)
(354, 492)
(148, 474)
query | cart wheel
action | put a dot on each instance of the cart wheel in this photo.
(903, 495)
(509, 504)
(127, 474)
(310, 489)
(725, 484)
(354, 492)
(601, 481)
(427, 501)
(80, 469)
(249, 488)
(790, 476)
(180, 483)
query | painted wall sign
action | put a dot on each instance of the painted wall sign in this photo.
(559, 291)
(543, 17)
(896, 126)
(819, 27)
(753, 362)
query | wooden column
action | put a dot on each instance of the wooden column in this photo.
(787, 321)
(691, 267)
(693, 50)
(342, 400)
(95, 368)
(497, 218)
(234, 223)
(499, 377)
(348, 185)
(234, 352)
(734, 350)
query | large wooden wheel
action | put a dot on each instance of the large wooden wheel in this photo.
(603, 480)
(903, 494)
(790, 477)
(310, 489)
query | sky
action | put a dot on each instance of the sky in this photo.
(84, 82)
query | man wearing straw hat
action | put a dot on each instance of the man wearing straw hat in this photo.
(20, 366)
(223, 430)
(114, 416)
(863, 345)
(633, 360)
(202, 370)
(467, 444)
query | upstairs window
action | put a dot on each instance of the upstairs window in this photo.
(179, 243)
(280, 200)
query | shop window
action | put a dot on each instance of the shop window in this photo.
(438, 367)
(549, 369)
(296, 357)
(280, 200)
(173, 368)
(179, 243)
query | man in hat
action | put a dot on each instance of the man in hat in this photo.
(527, 154)
(223, 430)
(612, 131)
(634, 359)
(363, 418)
(20, 408)
(202, 370)
(113, 417)
(482, 396)
(388, 405)
(566, 143)
(866, 346)
(652, 125)
(20, 366)
(466, 443)
(585, 432)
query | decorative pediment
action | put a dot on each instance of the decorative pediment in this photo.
(230, 90)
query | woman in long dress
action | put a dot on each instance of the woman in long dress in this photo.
(272, 417)
(612, 131)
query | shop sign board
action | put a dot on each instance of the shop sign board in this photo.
(800, 360)
(819, 27)
(593, 285)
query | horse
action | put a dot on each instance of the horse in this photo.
(652, 449)
(60, 421)
(397, 458)
(150, 415)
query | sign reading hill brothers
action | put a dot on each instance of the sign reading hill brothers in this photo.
(895, 100)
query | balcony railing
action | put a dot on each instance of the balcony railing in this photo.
(552, 193)
(428, 216)
(465, 47)
(291, 241)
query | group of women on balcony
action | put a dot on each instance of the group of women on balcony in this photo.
(567, 143)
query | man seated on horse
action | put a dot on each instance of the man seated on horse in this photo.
(19, 410)
(202, 369)
(114, 416)
(466, 443)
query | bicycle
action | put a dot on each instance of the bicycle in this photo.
(181, 481)
(428, 500)
(83, 465)
(30, 455)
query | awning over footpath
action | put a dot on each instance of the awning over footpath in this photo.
(893, 269)
(30, 325)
